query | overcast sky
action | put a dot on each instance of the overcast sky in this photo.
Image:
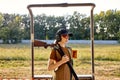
(20, 6)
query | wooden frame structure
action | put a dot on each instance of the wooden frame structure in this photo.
(92, 5)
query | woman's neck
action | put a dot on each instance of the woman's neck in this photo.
(62, 44)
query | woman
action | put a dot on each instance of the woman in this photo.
(58, 62)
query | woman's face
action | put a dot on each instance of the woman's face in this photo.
(65, 38)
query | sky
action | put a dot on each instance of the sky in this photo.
(20, 6)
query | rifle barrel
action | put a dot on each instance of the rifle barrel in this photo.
(38, 43)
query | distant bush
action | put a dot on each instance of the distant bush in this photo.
(119, 41)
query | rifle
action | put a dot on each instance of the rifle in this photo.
(38, 43)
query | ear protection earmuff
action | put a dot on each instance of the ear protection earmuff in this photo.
(58, 37)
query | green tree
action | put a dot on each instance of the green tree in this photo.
(4, 34)
(15, 29)
(107, 25)
(11, 30)
(100, 26)
(40, 26)
(51, 26)
(1, 20)
(113, 23)
(25, 25)
(76, 25)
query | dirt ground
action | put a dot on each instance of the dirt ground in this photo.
(104, 70)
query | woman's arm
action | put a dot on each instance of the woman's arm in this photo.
(52, 64)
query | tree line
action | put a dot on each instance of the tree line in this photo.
(16, 27)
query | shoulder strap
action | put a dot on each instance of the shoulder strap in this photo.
(58, 48)
(70, 54)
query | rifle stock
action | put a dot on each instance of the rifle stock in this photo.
(38, 43)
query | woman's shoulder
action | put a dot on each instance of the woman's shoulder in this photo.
(68, 47)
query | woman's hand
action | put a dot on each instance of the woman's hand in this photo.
(53, 65)
(65, 59)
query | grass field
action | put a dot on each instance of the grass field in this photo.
(15, 61)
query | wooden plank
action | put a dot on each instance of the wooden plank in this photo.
(13, 79)
(50, 77)
(43, 77)
(85, 77)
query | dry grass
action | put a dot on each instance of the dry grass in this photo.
(15, 61)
